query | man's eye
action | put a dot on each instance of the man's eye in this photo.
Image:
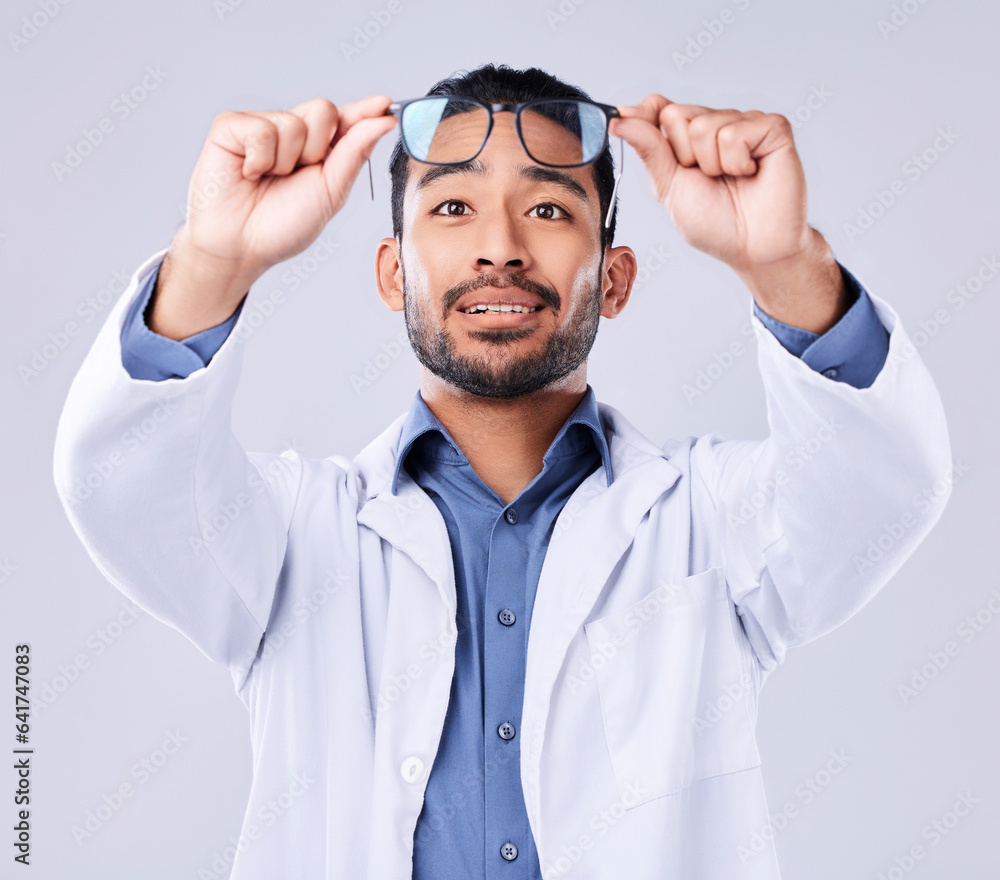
(448, 205)
(548, 211)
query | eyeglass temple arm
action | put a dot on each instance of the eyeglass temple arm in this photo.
(618, 177)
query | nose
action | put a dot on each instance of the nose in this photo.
(501, 246)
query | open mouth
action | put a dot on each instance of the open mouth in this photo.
(496, 316)
(500, 308)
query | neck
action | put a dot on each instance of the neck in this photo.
(504, 440)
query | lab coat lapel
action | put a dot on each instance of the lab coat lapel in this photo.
(411, 522)
(408, 520)
(589, 538)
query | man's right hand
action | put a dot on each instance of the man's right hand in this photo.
(264, 187)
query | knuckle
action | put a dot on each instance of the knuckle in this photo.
(326, 109)
(294, 124)
(265, 130)
(700, 125)
(671, 113)
(225, 117)
(779, 121)
(729, 135)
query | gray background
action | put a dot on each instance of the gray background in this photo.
(63, 240)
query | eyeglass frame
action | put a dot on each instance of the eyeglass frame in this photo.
(396, 108)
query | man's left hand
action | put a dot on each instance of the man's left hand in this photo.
(734, 187)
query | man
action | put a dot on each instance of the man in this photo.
(512, 637)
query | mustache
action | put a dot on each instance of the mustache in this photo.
(491, 279)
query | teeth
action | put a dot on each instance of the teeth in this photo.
(499, 307)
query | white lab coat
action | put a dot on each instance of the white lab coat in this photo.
(663, 603)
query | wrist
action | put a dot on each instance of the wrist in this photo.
(196, 290)
(803, 290)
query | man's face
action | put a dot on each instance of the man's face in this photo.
(508, 232)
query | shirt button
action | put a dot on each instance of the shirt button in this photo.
(507, 617)
(510, 515)
(831, 373)
(508, 851)
(412, 769)
(506, 730)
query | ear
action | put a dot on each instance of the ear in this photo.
(389, 274)
(620, 270)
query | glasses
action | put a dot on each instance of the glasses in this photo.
(558, 132)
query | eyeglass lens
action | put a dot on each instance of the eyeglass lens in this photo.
(560, 133)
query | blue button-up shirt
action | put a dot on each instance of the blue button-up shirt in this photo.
(474, 822)
(474, 805)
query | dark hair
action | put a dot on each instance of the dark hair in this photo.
(502, 84)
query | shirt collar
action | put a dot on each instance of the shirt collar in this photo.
(419, 420)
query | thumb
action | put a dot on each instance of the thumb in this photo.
(341, 166)
(652, 147)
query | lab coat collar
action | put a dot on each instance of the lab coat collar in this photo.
(409, 520)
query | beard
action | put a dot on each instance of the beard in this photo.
(499, 373)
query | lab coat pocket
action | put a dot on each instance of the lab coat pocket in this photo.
(674, 692)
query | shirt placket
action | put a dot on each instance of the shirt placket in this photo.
(509, 847)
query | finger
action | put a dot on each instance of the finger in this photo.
(703, 132)
(350, 152)
(648, 108)
(674, 121)
(321, 117)
(653, 148)
(249, 138)
(739, 142)
(373, 106)
(291, 132)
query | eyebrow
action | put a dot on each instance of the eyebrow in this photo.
(539, 173)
